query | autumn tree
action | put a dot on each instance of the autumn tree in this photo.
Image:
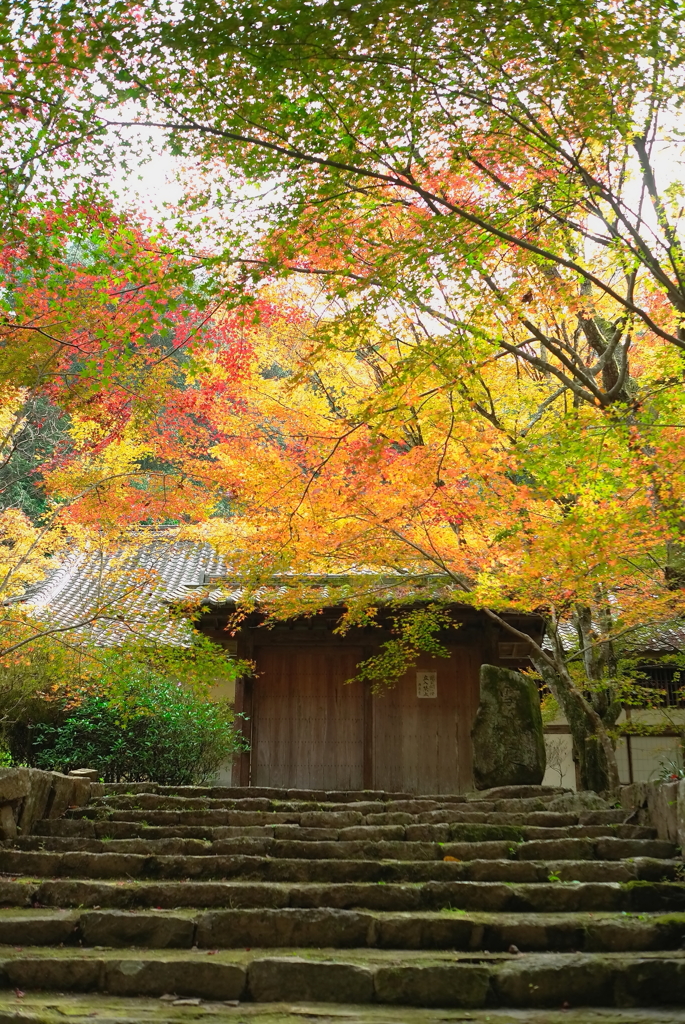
(484, 195)
(486, 184)
(401, 489)
(418, 148)
(104, 432)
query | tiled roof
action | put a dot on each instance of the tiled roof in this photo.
(668, 638)
(659, 639)
(107, 598)
(338, 587)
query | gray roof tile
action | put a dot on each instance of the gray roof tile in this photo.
(109, 597)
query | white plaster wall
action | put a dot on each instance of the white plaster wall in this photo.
(224, 689)
(647, 753)
(622, 761)
(224, 776)
(561, 770)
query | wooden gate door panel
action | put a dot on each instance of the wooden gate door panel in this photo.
(308, 728)
(423, 744)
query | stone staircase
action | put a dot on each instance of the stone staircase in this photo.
(519, 898)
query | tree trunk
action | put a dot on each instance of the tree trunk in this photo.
(674, 570)
(592, 746)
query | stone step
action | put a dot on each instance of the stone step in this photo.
(634, 896)
(409, 978)
(152, 802)
(102, 790)
(81, 1008)
(414, 806)
(337, 929)
(335, 819)
(517, 897)
(518, 792)
(440, 833)
(130, 865)
(604, 848)
(600, 849)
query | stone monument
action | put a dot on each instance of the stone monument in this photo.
(508, 741)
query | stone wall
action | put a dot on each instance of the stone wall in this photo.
(28, 794)
(660, 804)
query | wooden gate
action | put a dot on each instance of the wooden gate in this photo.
(422, 744)
(308, 725)
(311, 730)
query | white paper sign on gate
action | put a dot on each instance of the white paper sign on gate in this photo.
(426, 684)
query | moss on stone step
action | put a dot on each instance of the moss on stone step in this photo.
(53, 1008)
(473, 833)
(653, 896)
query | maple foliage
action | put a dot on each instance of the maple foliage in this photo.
(448, 483)
(101, 345)
(514, 162)
(337, 442)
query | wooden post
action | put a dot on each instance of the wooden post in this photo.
(240, 773)
(629, 752)
(367, 754)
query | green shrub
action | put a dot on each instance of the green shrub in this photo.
(156, 730)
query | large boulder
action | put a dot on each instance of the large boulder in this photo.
(14, 787)
(28, 794)
(36, 800)
(14, 784)
(66, 792)
(508, 741)
(659, 804)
